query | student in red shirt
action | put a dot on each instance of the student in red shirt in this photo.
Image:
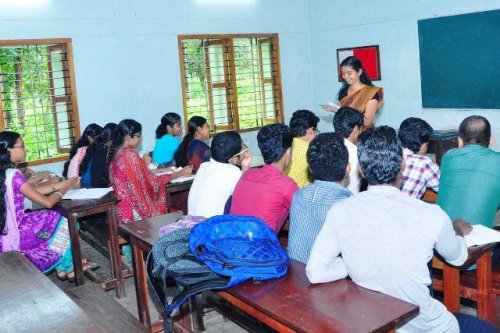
(266, 192)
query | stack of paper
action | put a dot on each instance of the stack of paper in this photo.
(182, 179)
(481, 235)
(86, 193)
(330, 107)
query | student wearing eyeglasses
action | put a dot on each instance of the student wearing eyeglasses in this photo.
(216, 179)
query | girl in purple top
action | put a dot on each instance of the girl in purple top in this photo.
(41, 235)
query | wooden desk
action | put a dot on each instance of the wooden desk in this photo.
(102, 308)
(340, 306)
(442, 141)
(30, 302)
(75, 209)
(181, 191)
(334, 306)
(486, 299)
(142, 235)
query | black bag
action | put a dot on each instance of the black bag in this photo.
(171, 258)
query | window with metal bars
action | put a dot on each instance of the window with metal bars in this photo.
(233, 81)
(38, 96)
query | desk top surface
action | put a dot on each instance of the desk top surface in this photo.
(148, 230)
(32, 303)
(340, 306)
(76, 205)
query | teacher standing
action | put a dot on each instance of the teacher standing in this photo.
(358, 91)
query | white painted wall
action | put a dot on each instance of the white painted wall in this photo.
(126, 56)
(392, 24)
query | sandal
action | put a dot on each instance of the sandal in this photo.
(61, 275)
(88, 264)
(71, 276)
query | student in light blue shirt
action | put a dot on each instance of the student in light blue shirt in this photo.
(167, 139)
(328, 161)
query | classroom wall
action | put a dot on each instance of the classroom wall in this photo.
(392, 24)
(126, 55)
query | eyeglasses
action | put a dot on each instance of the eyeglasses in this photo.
(244, 150)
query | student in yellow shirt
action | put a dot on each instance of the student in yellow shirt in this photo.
(304, 126)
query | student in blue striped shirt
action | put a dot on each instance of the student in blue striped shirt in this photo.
(328, 161)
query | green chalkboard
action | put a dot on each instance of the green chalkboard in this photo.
(460, 61)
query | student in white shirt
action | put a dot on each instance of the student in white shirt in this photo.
(383, 239)
(216, 179)
(348, 122)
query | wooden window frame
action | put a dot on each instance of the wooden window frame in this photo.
(71, 99)
(231, 98)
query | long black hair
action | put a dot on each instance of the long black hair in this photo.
(168, 119)
(356, 64)
(7, 140)
(91, 131)
(107, 134)
(181, 155)
(125, 127)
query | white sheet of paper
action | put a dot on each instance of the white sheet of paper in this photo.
(86, 193)
(481, 235)
(330, 107)
(182, 179)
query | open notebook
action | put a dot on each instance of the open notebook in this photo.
(481, 235)
(86, 193)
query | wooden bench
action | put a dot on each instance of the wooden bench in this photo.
(481, 285)
(468, 282)
(104, 310)
(30, 302)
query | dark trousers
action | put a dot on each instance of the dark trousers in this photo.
(471, 324)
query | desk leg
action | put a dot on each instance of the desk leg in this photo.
(141, 286)
(451, 286)
(486, 299)
(76, 249)
(114, 251)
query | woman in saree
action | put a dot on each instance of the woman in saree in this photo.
(142, 192)
(358, 92)
(41, 235)
(192, 150)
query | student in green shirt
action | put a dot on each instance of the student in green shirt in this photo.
(470, 175)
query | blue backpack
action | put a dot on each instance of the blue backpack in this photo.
(240, 247)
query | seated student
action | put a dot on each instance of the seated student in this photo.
(167, 139)
(386, 238)
(265, 192)
(94, 168)
(304, 127)
(42, 236)
(143, 194)
(420, 172)
(216, 179)
(77, 153)
(470, 175)
(192, 150)
(329, 164)
(348, 122)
